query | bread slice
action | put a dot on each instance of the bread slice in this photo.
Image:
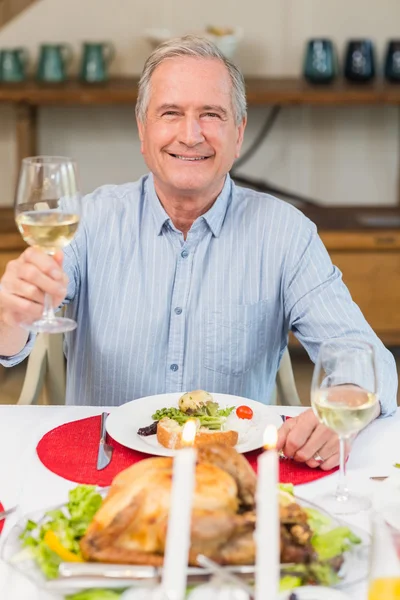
(169, 434)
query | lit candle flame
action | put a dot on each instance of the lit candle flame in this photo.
(270, 437)
(189, 433)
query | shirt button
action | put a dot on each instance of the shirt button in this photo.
(184, 253)
(174, 367)
(178, 310)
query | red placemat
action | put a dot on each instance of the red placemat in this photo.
(70, 451)
(3, 520)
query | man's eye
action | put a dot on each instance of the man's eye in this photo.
(170, 113)
(213, 115)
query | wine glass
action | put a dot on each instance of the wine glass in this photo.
(384, 568)
(344, 398)
(47, 216)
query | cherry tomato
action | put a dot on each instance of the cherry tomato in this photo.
(244, 412)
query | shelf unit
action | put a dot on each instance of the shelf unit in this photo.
(29, 96)
(367, 254)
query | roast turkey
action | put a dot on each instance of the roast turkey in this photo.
(130, 526)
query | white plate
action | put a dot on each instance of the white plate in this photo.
(124, 421)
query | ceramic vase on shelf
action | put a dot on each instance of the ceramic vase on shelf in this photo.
(320, 61)
(392, 61)
(360, 61)
(53, 63)
(96, 58)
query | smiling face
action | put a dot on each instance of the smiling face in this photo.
(190, 139)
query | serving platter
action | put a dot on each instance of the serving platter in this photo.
(354, 569)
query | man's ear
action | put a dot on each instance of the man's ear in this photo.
(240, 135)
(140, 127)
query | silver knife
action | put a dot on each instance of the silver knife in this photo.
(105, 450)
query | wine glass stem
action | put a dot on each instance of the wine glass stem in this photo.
(48, 310)
(342, 493)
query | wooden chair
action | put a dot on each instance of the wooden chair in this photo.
(285, 385)
(45, 372)
(45, 375)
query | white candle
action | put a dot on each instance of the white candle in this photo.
(180, 513)
(267, 535)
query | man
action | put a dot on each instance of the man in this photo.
(182, 280)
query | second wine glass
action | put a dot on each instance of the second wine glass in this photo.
(47, 216)
(344, 398)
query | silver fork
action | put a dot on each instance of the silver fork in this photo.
(224, 574)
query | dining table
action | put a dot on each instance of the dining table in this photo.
(26, 483)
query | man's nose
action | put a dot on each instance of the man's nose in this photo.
(190, 132)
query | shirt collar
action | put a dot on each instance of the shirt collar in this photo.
(214, 217)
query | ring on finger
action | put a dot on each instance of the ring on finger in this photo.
(318, 458)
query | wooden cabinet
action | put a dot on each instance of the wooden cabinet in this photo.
(370, 263)
(11, 243)
(5, 257)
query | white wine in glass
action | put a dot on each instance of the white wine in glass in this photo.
(47, 216)
(344, 398)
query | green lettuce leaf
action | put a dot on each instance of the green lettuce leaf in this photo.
(46, 560)
(225, 412)
(324, 574)
(318, 522)
(96, 594)
(84, 502)
(288, 582)
(333, 543)
(209, 415)
(172, 413)
(286, 487)
(313, 573)
(69, 523)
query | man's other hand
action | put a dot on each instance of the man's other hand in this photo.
(304, 439)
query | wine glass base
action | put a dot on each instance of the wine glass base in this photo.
(56, 325)
(343, 505)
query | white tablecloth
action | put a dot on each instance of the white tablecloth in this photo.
(26, 482)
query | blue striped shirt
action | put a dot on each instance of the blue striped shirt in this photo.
(157, 313)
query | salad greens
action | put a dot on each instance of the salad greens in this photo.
(209, 415)
(96, 594)
(286, 487)
(102, 594)
(327, 543)
(55, 538)
(288, 582)
(317, 573)
(333, 543)
(318, 522)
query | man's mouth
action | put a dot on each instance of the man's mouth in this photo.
(189, 158)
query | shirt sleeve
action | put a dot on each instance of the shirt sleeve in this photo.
(318, 307)
(11, 361)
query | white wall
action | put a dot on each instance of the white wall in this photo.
(338, 155)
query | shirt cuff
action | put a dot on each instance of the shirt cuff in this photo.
(11, 361)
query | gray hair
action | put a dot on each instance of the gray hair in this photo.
(196, 47)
